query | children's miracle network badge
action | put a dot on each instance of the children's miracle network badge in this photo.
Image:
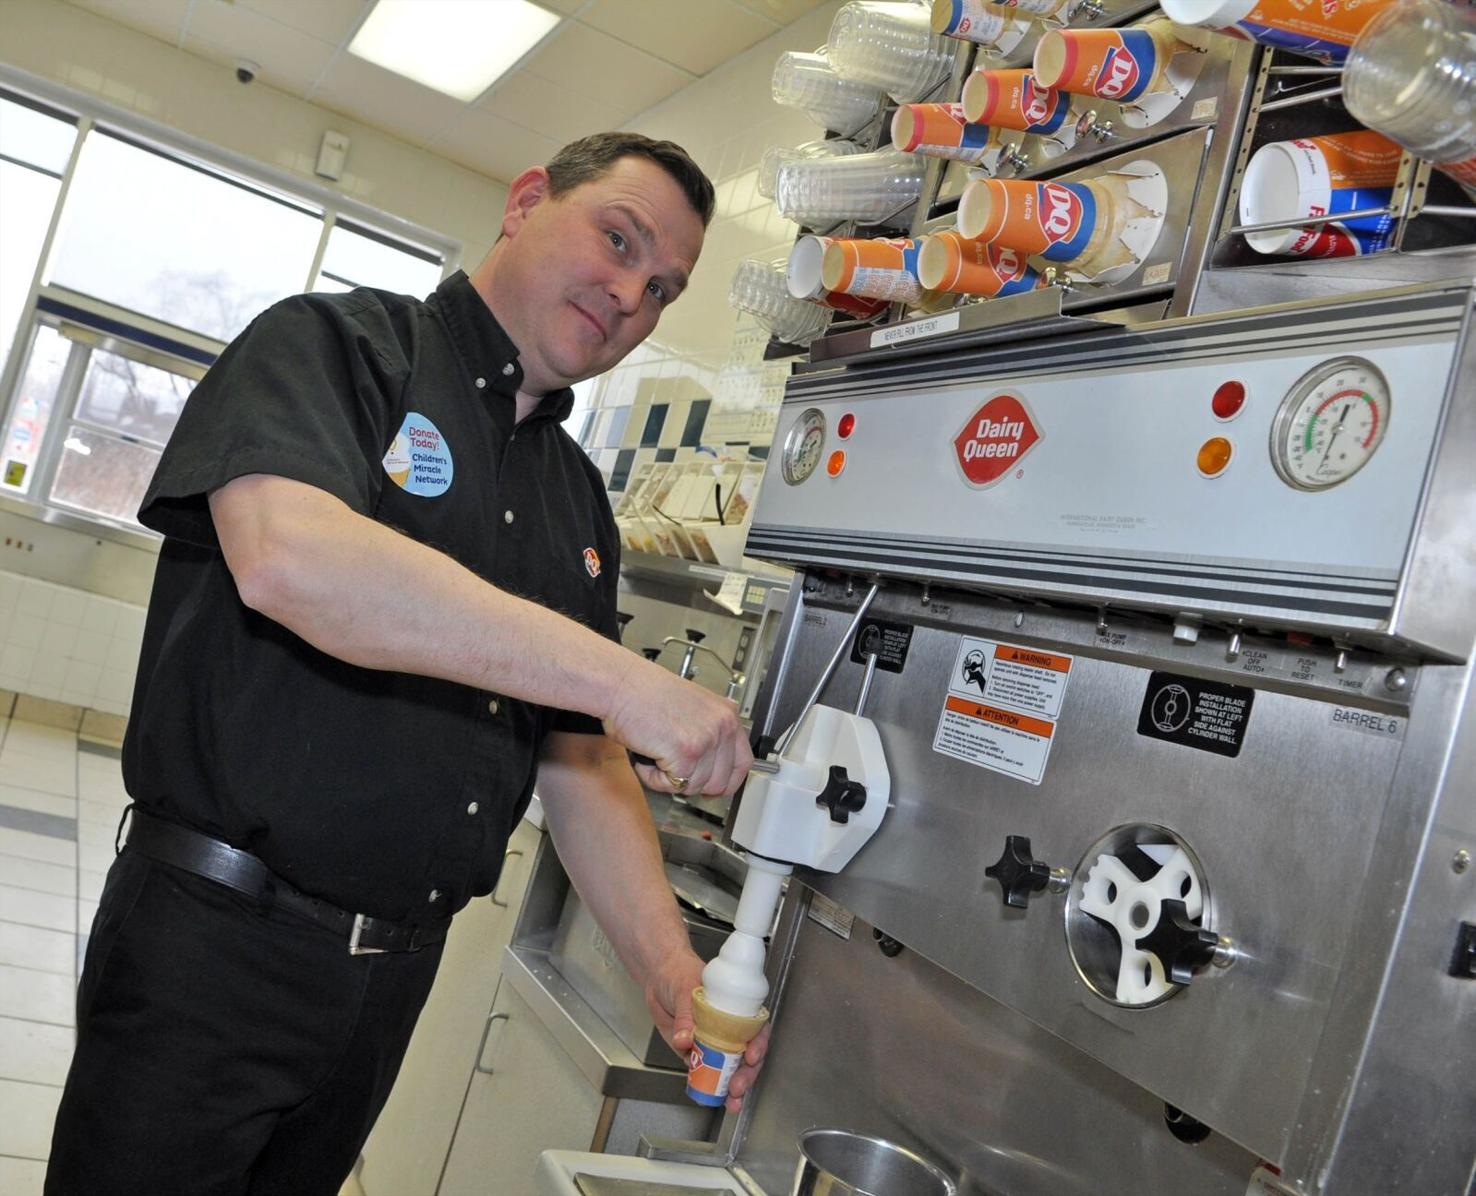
(419, 460)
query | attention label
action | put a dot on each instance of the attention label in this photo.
(1206, 715)
(1002, 705)
(889, 641)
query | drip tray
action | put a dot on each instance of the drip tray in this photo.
(577, 1173)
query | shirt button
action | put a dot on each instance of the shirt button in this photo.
(507, 370)
(507, 517)
(473, 808)
(435, 895)
(492, 706)
(481, 382)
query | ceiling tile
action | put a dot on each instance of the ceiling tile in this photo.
(496, 147)
(782, 11)
(163, 19)
(547, 108)
(666, 29)
(327, 20)
(387, 100)
(595, 65)
(289, 59)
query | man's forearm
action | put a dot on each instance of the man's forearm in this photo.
(608, 845)
(363, 593)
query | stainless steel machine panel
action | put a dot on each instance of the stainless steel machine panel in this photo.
(1085, 486)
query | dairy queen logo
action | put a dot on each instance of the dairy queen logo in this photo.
(996, 439)
(1060, 212)
(1119, 74)
(591, 562)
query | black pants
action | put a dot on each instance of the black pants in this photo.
(223, 1050)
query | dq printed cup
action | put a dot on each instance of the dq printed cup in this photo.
(980, 21)
(805, 283)
(951, 262)
(878, 269)
(1112, 64)
(1013, 99)
(1055, 220)
(939, 131)
(1323, 30)
(1319, 176)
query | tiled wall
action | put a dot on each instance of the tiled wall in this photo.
(705, 364)
(67, 645)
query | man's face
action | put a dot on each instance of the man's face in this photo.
(588, 274)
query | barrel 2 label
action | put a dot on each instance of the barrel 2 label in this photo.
(888, 641)
(1206, 715)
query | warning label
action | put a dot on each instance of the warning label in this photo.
(1001, 707)
(1199, 714)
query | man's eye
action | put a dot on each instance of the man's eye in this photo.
(616, 240)
(658, 290)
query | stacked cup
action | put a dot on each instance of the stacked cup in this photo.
(865, 187)
(890, 44)
(809, 82)
(990, 25)
(762, 289)
(776, 156)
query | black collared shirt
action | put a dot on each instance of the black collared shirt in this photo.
(384, 793)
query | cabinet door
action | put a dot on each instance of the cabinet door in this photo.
(534, 1099)
(405, 1151)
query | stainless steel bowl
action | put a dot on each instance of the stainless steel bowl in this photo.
(839, 1163)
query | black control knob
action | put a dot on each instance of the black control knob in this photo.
(841, 795)
(651, 653)
(1182, 946)
(1019, 873)
(623, 618)
(696, 637)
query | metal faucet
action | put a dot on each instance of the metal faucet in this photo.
(693, 645)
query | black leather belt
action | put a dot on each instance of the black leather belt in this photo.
(180, 847)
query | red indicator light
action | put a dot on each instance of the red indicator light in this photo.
(836, 463)
(1228, 400)
(846, 426)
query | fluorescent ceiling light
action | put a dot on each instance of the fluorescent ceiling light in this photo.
(460, 47)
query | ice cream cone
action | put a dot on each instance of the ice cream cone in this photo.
(718, 1043)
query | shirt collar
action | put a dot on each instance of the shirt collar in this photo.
(487, 349)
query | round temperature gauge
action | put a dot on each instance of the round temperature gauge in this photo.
(1330, 424)
(803, 445)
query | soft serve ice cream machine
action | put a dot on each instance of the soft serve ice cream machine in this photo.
(1169, 658)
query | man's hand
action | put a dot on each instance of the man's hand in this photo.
(690, 733)
(669, 1000)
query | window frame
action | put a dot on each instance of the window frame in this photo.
(132, 334)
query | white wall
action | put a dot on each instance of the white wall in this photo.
(131, 70)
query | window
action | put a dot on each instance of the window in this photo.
(174, 242)
(34, 148)
(35, 397)
(359, 257)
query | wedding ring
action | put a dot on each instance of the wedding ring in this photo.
(677, 783)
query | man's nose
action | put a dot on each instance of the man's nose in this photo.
(628, 289)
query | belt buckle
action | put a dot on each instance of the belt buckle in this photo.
(355, 933)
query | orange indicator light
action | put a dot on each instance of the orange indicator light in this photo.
(836, 463)
(1214, 456)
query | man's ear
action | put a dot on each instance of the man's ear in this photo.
(524, 194)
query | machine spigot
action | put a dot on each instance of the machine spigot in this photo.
(1021, 875)
(651, 654)
(1183, 947)
(696, 636)
(841, 795)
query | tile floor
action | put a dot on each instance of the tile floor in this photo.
(60, 800)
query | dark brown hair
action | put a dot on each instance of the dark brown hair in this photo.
(590, 157)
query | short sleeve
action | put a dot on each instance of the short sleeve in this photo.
(607, 624)
(304, 393)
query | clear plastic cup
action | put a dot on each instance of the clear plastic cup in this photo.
(1411, 75)
(762, 290)
(810, 83)
(865, 187)
(776, 156)
(890, 44)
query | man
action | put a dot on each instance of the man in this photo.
(385, 600)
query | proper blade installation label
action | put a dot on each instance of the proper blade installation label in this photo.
(889, 641)
(1199, 714)
(1001, 708)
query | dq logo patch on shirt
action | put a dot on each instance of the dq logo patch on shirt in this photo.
(419, 460)
(592, 562)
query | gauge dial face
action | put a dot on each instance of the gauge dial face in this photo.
(803, 446)
(1330, 424)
